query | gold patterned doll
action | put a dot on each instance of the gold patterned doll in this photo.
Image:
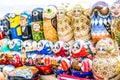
(115, 11)
(105, 65)
(50, 23)
(81, 23)
(64, 26)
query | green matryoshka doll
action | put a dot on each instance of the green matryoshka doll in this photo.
(37, 24)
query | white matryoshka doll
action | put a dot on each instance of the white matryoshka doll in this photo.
(81, 60)
(105, 65)
(64, 25)
(81, 23)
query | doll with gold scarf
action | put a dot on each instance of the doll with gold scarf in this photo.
(64, 25)
(81, 23)
(115, 11)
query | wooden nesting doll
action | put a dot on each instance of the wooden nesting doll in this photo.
(14, 19)
(100, 21)
(50, 23)
(81, 24)
(81, 59)
(25, 23)
(115, 11)
(105, 65)
(64, 26)
(37, 24)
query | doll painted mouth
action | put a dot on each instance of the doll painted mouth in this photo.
(116, 13)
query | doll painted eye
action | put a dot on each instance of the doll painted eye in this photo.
(98, 49)
(35, 13)
(103, 49)
(61, 12)
(12, 15)
(49, 11)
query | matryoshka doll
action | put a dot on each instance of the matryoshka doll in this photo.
(81, 59)
(115, 11)
(81, 23)
(37, 24)
(105, 66)
(25, 23)
(100, 21)
(50, 23)
(43, 61)
(2, 36)
(14, 19)
(64, 25)
(60, 60)
(6, 70)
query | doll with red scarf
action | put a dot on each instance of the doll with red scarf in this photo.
(60, 61)
(82, 56)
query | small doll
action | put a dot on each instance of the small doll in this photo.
(81, 23)
(14, 19)
(100, 21)
(37, 24)
(25, 23)
(81, 59)
(50, 23)
(105, 66)
(64, 26)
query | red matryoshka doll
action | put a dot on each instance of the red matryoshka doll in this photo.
(81, 59)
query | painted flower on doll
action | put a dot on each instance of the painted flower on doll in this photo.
(61, 48)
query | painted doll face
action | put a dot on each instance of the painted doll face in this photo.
(36, 27)
(76, 47)
(56, 47)
(40, 45)
(115, 9)
(11, 44)
(77, 11)
(60, 13)
(23, 21)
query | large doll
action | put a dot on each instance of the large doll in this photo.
(115, 11)
(60, 60)
(106, 64)
(82, 56)
(100, 21)
(64, 26)
(45, 54)
(37, 24)
(25, 23)
(81, 23)
(50, 23)
(14, 19)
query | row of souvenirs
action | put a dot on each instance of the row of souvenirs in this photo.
(64, 23)
(81, 59)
